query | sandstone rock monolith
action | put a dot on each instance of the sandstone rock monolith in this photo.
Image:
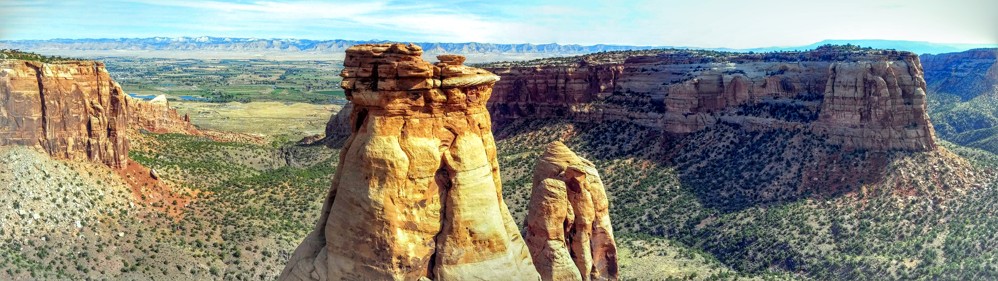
(417, 192)
(569, 233)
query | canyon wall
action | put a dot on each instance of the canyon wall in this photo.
(857, 98)
(417, 192)
(73, 110)
(963, 89)
(156, 116)
(965, 74)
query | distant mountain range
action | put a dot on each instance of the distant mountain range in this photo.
(290, 45)
(125, 46)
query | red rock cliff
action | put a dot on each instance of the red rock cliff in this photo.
(157, 116)
(860, 99)
(73, 110)
(966, 74)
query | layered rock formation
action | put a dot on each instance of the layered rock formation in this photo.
(417, 192)
(964, 89)
(73, 110)
(157, 116)
(568, 223)
(965, 74)
(857, 98)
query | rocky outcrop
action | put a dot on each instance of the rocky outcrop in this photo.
(877, 105)
(417, 192)
(156, 116)
(73, 110)
(568, 222)
(857, 98)
(338, 127)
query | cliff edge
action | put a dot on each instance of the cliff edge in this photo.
(73, 110)
(857, 98)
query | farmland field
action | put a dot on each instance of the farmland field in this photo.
(227, 80)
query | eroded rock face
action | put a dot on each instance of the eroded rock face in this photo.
(417, 192)
(73, 110)
(860, 99)
(568, 221)
(157, 116)
(966, 74)
(338, 127)
(877, 105)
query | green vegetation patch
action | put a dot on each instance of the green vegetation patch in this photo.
(778, 203)
(230, 80)
(14, 54)
(256, 203)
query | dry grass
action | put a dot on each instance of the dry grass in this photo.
(267, 119)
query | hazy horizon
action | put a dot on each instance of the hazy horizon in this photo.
(722, 24)
(987, 45)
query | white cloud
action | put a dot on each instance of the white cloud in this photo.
(288, 10)
(438, 27)
(703, 23)
(421, 20)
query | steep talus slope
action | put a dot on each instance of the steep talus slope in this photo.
(254, 203)
(70, 220)
(858, 98)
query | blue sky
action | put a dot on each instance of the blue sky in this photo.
(698, 23)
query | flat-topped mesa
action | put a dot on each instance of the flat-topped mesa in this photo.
(569, 233)
(417, 192)
(876, 105)
(857, 98)
(73, 110)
